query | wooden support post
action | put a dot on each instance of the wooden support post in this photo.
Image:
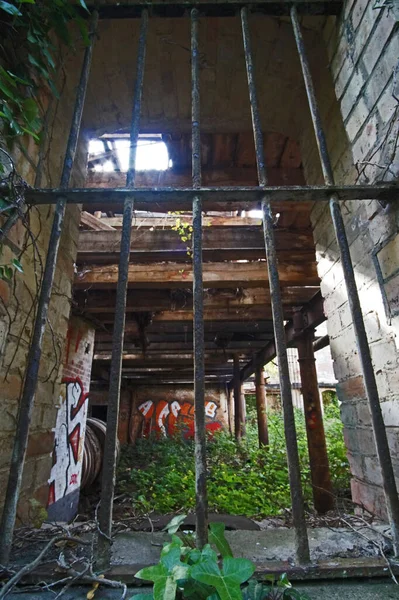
(263, 432)
(238, 405)
(319, 467)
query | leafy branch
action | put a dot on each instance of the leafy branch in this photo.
(184, 572)
(29, 31)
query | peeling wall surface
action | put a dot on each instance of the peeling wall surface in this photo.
(66, 472)
(167, 410)
(363, 53)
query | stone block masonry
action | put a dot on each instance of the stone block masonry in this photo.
(363, 54)
(17, 299)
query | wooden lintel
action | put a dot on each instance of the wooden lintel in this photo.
(215, 275)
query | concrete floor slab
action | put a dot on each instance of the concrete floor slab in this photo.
(143, 548)
(349, 590)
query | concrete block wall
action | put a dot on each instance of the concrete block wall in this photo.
(17, 300)
(362, 124)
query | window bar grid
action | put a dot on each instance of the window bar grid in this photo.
(198, 309)
(35, 350)
(370, 384)
(298, 511)
(115, 378)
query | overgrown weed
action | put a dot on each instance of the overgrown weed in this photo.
(243, 479)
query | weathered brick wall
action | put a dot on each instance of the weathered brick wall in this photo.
(362, 129)
(17, 301)
(164, 410)
(69, 432)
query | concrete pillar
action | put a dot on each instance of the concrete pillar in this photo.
(319, 467)
(263, 433)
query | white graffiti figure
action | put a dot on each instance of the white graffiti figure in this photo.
(210, 409)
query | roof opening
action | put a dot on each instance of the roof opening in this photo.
(110, 153)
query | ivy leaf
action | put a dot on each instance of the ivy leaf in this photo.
(256, 591)
(174, 524)
(217, 537)
(30, 110)
(83, 5)
(9, 8)
(27, 1)
(165, 580)
(17, 265)
(142, 597)
(8, 273)
(227, 581)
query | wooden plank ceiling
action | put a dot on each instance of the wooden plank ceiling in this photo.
(237, 310)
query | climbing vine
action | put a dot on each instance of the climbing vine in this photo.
(29, 31)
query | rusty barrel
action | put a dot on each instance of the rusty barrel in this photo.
(93, 451)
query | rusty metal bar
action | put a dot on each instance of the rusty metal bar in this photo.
(321, 343)
(201, 512)
(298, 512)
(35, 351)
(220, 8)
(370, 384)
(109, 460)
(263, 432)
(214, 198)
(238, 405)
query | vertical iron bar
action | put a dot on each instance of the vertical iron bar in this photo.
(35, 351)
(370, 384)
(263, 431)
(198, 309)
(109, 460)
(298, 513)
(238, 416)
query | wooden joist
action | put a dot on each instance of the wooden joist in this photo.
(215, 275)
(244, 313)
(92, 222)
(140, 221)
(229, 243)
(103, 301)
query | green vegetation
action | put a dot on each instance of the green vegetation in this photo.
(242, 479)
(209, 574)
(29, 32)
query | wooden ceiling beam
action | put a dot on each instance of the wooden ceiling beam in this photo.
(313, 315)
(215, 275)
(102, 247)
(103, 301)
(145, 221)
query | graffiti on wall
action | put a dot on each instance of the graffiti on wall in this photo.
(168, 418)
(69, 440)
